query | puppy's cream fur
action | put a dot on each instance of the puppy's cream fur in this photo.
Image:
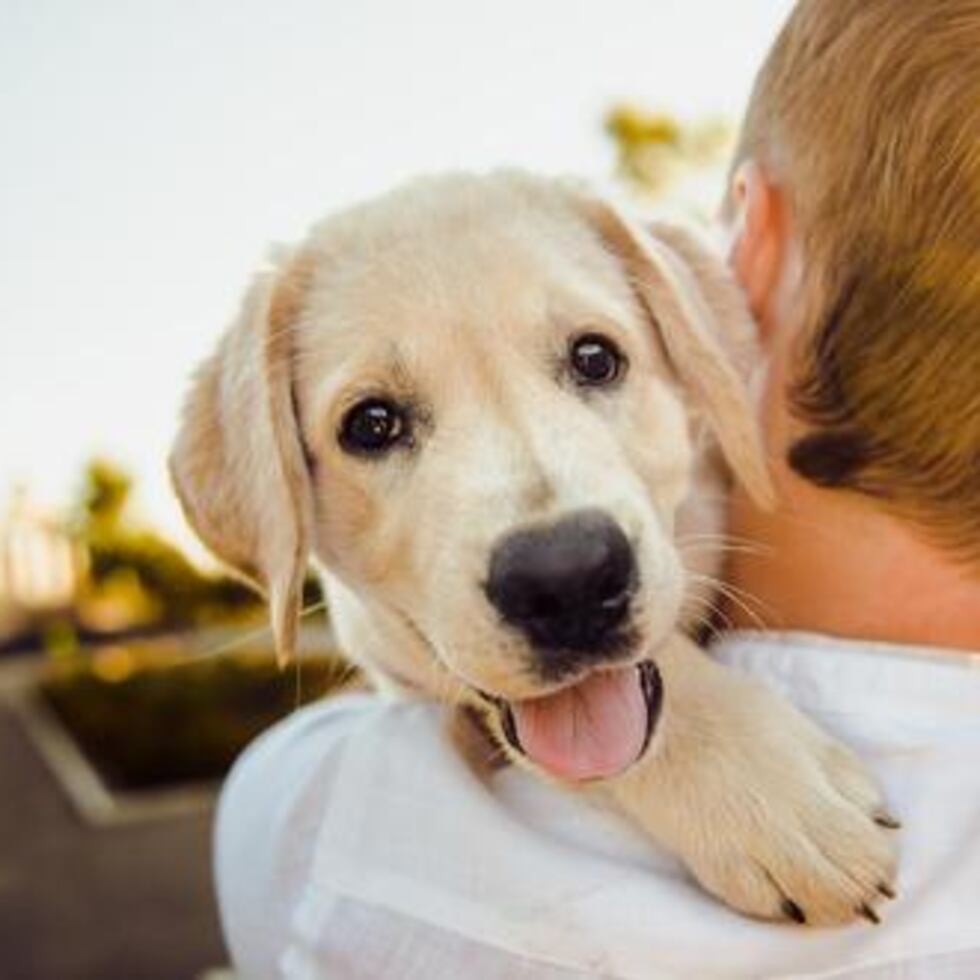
(459, 296)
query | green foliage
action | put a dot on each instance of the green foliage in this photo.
(127, 561)
(150, 721)
(631, 127)
(105, 493)
(656, 152)
(60, 638)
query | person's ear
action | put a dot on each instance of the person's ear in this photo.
(760, 237)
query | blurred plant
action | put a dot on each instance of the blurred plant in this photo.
(660, 157)
(146, 715)
(135, 578)
(104, 495)
(98, 573)
(60, 638)
(172, 708)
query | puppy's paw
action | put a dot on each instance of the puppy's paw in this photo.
(800, 834)
(769, 814)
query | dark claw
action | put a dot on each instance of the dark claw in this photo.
(870, 914)
(886, 890)
(792, 911)
(884, 819)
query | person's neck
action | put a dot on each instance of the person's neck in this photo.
(833, 562)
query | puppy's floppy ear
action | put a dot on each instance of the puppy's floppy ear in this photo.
(705, 326)
(238, 463)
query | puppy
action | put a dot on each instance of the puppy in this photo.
(491, 410)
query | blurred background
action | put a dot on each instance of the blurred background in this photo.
(152, 153)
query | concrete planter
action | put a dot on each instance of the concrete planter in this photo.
(91, 797)
(94, 884)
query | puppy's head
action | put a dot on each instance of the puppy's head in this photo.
(474, 403)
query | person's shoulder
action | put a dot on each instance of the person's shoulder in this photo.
(269, 809)
(288, 766)
(300, 739)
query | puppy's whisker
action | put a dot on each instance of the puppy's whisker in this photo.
(713, 543)
(707, 611)
(241, 641)
(750, 597)
(723, 547)
(723, 543)
(715, 536)
(700, 548)
(700, 608)
(739, 598)
(710, 622)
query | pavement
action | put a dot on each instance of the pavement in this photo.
(81, 902)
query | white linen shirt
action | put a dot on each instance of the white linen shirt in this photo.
(353, 842)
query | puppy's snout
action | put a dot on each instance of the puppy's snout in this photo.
(566, 586)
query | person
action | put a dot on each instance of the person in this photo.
(353, 841)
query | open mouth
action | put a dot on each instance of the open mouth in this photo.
(592, 729)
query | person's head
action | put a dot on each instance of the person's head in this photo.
(855, 202)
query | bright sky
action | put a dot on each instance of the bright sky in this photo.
(152, 151)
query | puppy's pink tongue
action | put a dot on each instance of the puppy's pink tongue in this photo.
(594, 728)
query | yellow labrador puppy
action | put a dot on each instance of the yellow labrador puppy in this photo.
(491, 409)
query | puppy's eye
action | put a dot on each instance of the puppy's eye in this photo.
(595, 360)
(372, 426)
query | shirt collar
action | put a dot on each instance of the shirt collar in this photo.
(836, 676)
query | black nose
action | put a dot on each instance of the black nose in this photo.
(566, 586)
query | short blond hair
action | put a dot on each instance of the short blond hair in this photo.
(867, 114)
